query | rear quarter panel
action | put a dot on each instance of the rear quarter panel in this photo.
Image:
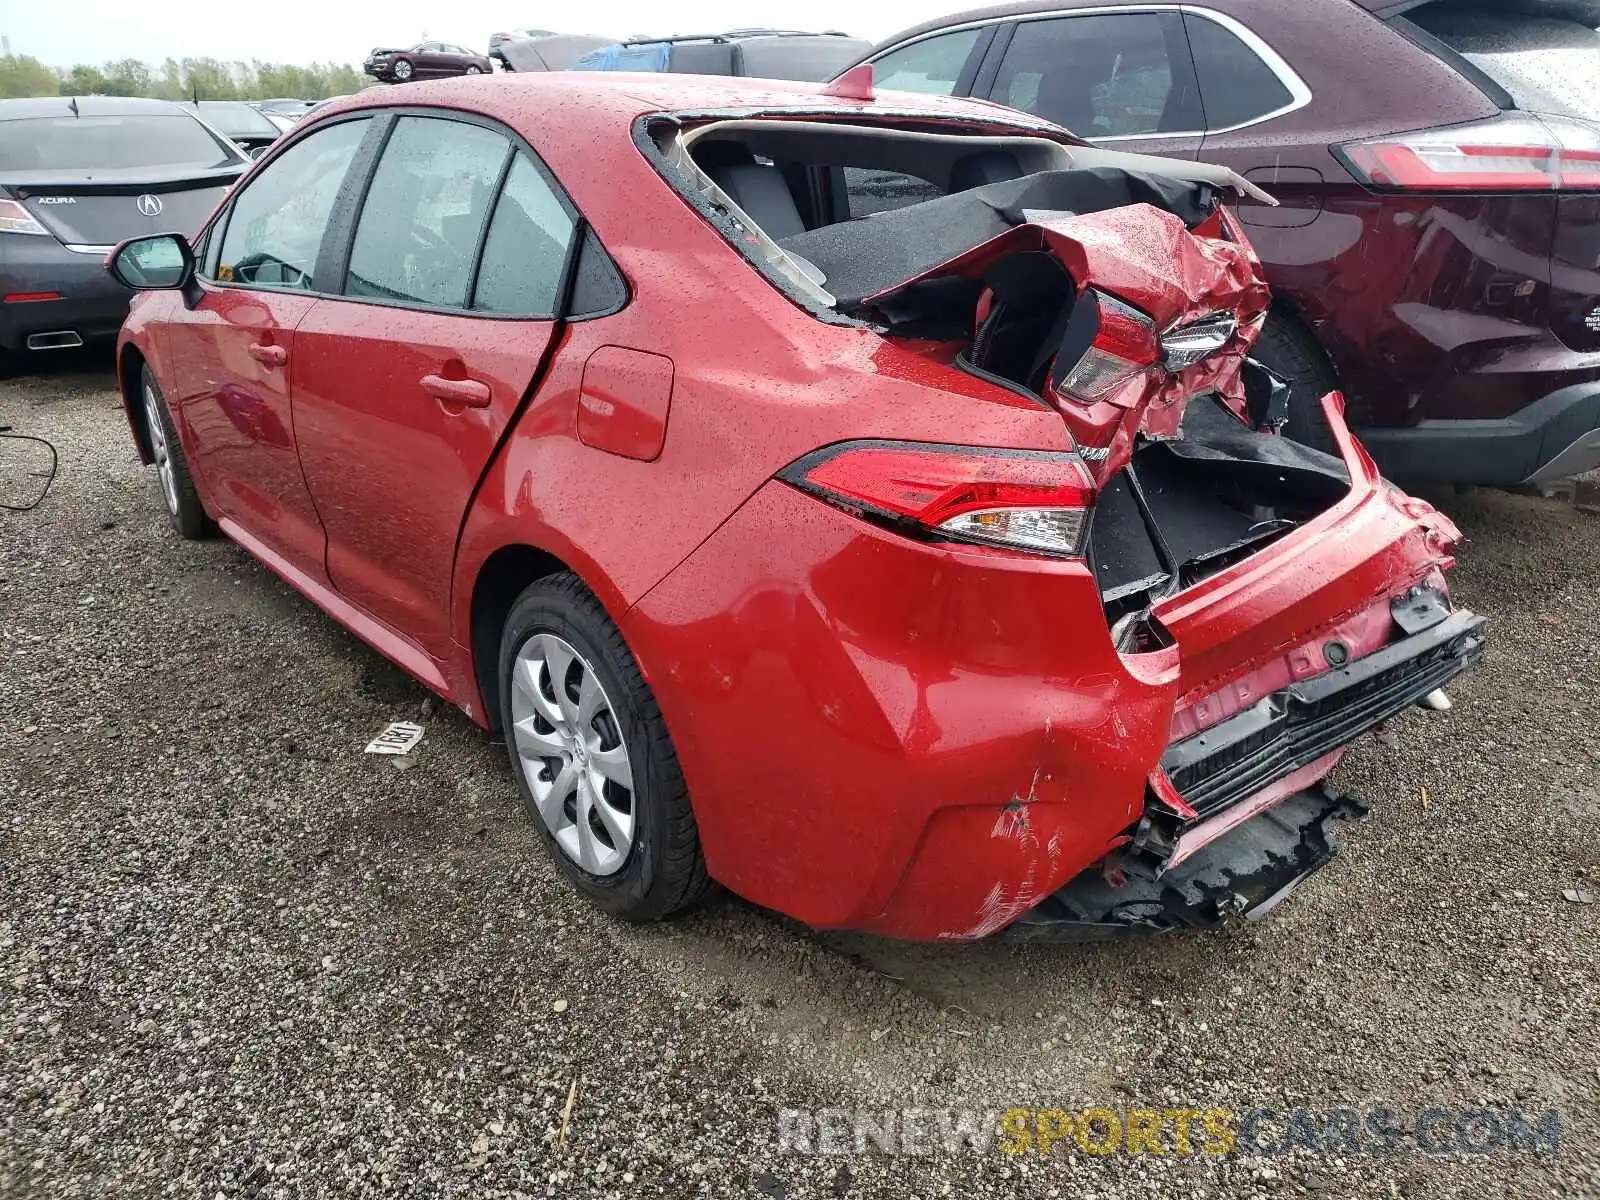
(757, 383)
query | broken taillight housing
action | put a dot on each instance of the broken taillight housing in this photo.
(1030, 500)
(1196, 341)
(1501, 154)
(1124, 347)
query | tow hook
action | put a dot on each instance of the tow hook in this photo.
(1436, 701)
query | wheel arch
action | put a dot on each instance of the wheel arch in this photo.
(130, 365)
(1285, 310)
(504, 575)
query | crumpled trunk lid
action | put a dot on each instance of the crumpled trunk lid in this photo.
(1172, 275)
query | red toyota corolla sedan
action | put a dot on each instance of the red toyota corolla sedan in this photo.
(928, 565)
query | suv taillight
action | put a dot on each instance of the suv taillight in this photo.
(1501, 154)
(16, 219)
(1036, 501)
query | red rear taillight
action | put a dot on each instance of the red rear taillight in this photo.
(1030, 500)
(1124, 348)
(1501, 154)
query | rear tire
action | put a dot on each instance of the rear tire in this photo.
(633, 848)
(1288, 348)
(474, 71)
(184, 509)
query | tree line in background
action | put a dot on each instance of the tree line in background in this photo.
(179, 79)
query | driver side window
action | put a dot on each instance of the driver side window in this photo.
(275, 225)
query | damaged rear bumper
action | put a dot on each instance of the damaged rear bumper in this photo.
(1283, 732)
(1246, 872)
(1257, 819)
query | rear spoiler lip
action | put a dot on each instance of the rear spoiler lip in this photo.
(24, 186)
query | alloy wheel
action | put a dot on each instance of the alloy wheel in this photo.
(159, 449)
(570, 747)
(402, 70)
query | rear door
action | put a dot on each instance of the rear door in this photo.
(405, 384)
(1124, 80)
(232, 354)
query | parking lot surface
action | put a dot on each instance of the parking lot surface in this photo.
(242, 957)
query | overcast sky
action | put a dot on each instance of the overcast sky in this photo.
(301, 31)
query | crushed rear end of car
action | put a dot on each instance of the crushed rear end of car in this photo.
(1106, 684)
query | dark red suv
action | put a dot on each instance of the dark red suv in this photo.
(1438, 166)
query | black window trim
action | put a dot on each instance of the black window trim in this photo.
(218, 226)
(1299, 90)
(333, 253)
(977, 53)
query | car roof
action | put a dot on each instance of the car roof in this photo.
(61, 106)
(526, 99)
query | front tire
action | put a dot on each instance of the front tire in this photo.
(592, 756)
(184, 509)
(402, 71)
(474, 71)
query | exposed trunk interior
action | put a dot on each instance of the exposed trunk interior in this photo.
(1185, 509)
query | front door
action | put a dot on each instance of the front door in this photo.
(233, 356)
(405, 386)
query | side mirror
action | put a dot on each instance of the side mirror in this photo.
(162, 260)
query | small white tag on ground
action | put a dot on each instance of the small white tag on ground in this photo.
(398, 737)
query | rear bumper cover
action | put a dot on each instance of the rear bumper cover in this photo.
(927, 741)
(92, 303)
(1554, 438)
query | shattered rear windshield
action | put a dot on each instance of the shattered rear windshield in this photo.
(1548, 65)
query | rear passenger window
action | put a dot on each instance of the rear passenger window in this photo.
(425, 211)
(1236, 87)
(932, 66)
(527, 247)
(1108, 75)
(872, 191)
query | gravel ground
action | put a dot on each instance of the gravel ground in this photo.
(240, 957)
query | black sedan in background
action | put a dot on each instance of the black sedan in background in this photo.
(426, 60)
(247, 126)
(76, 177)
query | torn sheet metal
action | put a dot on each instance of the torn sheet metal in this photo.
(1146, 257)
(1245, 873)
